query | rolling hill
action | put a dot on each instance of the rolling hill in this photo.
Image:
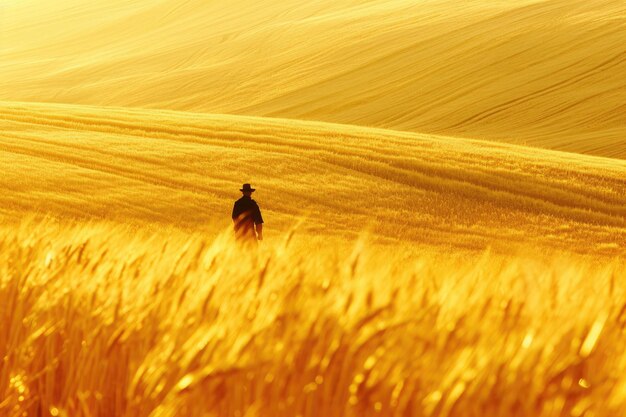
(184, 169)
(546, 73)
(443, 185)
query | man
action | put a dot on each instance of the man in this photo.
(247, 217)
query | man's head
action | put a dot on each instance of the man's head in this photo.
(247, 190)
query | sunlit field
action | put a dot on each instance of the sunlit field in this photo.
(102, 320)
(547, 73)
(164, 167)
(470, 279)
(443, 185)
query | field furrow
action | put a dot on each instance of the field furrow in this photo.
(546, 73)
(183, 169)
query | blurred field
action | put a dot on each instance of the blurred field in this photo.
(103, 320)
(429, 250)
(547, 73)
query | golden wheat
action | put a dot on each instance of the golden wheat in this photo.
(547, 73)
(179, 168)
(101, 320)
(403, 274)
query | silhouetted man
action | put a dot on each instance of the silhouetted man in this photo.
(247, 217)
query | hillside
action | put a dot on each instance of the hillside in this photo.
(183, 169)
(443, 185)
(539, 72)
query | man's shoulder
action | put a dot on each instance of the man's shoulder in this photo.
(246, 202)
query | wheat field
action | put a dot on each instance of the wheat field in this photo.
(443, 185)
(100, 320)
(546, 73)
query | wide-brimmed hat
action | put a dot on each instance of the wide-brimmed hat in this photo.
(246, 187)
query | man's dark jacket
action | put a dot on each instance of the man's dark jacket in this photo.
(246, 213)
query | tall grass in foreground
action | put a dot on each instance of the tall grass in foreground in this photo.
(99, 320)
